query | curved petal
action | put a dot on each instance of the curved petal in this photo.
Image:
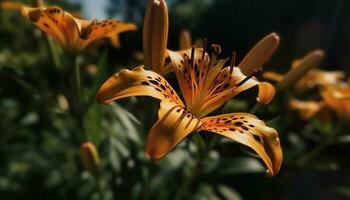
(49, 20)
(260, 54)
(250, 131)
(306, 109)
(173, 125)
(109, 28)
(136, 82)
(338, 99)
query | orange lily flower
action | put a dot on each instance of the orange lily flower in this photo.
(71, 33)
(206, 85)
(337, 97)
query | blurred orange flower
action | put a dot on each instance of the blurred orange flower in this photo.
(75, 34)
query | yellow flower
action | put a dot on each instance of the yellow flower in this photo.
(205, 85)
(75, 34)
(299, 70)
(337, 97)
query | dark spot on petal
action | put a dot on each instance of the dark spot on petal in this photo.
(238, 123)
(154, 82)
(257, 138)
(144, 83)
(245, 128)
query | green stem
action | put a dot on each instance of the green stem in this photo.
(255, 108)
(54, 52)
(98, 183)
(190, 180)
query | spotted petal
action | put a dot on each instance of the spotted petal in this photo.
(228, 85)
(173, 125)
(136, 82)
(107, 29)
(51, 24)
(250, 131)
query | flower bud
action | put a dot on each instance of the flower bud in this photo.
(185, 40)
(89, 157)
(155, 35)
(311, 60)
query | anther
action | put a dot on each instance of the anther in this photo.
(192, 55)
(205, 43)
(233, 61)
(216, 49)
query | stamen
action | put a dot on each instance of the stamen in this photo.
(216, 49)
(192, 55)
(205, 43)
(247, 78)
(233, 61)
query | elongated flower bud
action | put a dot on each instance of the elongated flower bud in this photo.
(38, 3)
(185, 40)
(155, 35)
(89, 157)
(311, 60)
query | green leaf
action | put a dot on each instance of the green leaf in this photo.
(240, 165)
(101, 72)
(94, 123)
(229, 193)
(343, 190)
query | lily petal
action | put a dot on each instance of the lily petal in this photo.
(136, 82)
(173, 125)
(260, 54)
(50, 23)
(109, 28)
(306, 109)
(250, 131)
(337, 97)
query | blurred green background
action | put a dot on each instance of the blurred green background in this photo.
(39, 145)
